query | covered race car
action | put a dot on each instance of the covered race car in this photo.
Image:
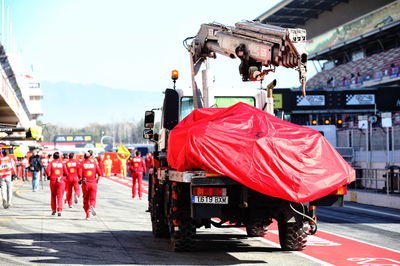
(260, 151)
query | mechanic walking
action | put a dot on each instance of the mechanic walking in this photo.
(45, 162)
(35, 166)
(7, 168)
(56, 171)
(149, 164)
(137, 167)
(89, 175)
(72, 180)
(24, 169)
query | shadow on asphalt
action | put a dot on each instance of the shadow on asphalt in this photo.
(125, 247)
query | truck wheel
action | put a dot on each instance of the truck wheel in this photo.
(256, 229)
(159, 226)
(183, 239)
(292, 236)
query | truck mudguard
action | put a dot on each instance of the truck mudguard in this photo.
(260, 151)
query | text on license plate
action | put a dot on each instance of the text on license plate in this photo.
(210, 200)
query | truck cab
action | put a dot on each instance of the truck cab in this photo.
(178, 103)
(222, 97)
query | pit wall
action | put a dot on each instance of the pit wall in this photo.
(382, 200)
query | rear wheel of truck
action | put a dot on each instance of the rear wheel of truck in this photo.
(292, 236)
(256, 229)
(159, 225)
(183, 238)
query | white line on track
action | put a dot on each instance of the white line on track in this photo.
(372, 211)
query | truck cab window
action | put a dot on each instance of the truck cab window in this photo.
(186, 106)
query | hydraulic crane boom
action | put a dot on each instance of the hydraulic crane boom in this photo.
(257, 45)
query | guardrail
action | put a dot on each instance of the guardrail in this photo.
(377, 180)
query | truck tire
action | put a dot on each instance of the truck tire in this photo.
(183, 239)
(292, 236)
(159, 226)
(256, 229)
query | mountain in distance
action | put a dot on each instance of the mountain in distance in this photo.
(77, 105)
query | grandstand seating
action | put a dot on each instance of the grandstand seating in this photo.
(374, 69)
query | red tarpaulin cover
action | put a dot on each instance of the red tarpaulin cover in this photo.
(260, 151)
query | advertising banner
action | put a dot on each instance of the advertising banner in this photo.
(360, 99)
(73, 138)
(310, 100)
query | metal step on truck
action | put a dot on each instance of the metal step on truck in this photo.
(182, 201)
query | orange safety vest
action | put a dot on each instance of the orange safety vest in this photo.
(6, 167)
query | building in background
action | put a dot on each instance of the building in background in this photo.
(21, 93)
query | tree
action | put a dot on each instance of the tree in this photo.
(123, 132)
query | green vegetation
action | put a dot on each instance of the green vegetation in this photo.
(122, 132)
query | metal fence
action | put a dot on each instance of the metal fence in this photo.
(378, 138)
(374, 144)
(377, 180)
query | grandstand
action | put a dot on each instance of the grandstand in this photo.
(353, 44)
(380, 68)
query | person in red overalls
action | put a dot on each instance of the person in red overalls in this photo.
(94, 159)
(56, 171)
(149, 163)
(99, 159)
(137, 167)
(89, 175)
(46, 161)
(24, 169)
(72, 180)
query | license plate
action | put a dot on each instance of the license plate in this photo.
(210, 200)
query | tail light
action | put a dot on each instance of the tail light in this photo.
(211, 174)
(209, 191)
(340, 191)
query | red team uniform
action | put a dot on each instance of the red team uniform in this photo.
(149, 161)
(137, 167)
(56, 170)
(100, 164)
(72, 180)
(24, 170)
(88, 170)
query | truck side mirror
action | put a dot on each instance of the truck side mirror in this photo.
(149, 119)
(148, 133)
(170, 109)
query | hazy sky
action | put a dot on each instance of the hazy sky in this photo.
(125, 44)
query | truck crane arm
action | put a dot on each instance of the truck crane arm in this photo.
(255, 44)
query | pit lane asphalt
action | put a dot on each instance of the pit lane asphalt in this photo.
(119, 234)
(376, 225)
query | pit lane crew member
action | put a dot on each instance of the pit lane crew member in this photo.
(89, 175)
(73, 187)
(56, 172)
(137, 167)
